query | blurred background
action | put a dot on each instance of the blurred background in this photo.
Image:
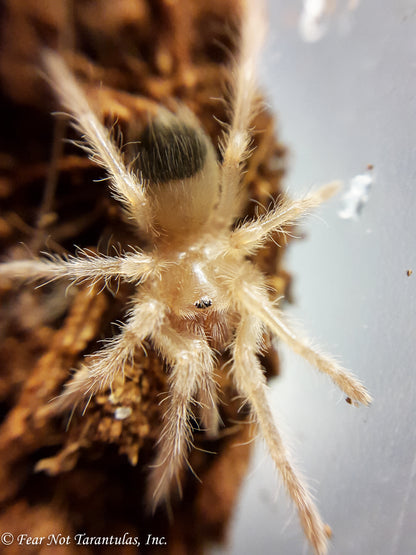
(343, 87)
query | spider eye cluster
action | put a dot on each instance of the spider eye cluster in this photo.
(170, 152)
(204, 302)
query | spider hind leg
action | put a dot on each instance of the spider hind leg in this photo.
(108, 362)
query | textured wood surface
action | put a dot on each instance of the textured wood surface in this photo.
(90, 476)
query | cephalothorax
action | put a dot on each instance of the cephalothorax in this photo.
(197, 290)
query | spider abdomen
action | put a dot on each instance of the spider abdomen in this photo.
(171, 152)
(178, 164)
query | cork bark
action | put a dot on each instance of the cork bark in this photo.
(86, 473)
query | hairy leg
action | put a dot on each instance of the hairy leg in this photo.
(243, 105)
(250, 236)
(256, 302)
(135, 267)
(251, 383)
(126, 186)
(191, 364)
(103, 366)
(208, 406)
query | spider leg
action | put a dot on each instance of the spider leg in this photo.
(135, 267)
(104, 365)
(251, 383)
(191, 364)
(208, 406)
(257, 303)
(243, 105)
(250, 236)
(126, 186)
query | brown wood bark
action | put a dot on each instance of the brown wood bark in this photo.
(90, 476)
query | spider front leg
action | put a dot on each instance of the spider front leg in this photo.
(103, 366)
(256, 302)
(208, 406)
(251, 383)
(192, 369)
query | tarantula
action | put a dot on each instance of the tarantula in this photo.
(197, 289)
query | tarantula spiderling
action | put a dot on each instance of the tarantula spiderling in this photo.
(196, 287)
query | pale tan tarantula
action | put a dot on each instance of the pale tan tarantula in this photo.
(196, 288)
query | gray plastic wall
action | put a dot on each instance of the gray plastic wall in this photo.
(343, 102)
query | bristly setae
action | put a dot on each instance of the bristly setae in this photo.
(197, 290)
